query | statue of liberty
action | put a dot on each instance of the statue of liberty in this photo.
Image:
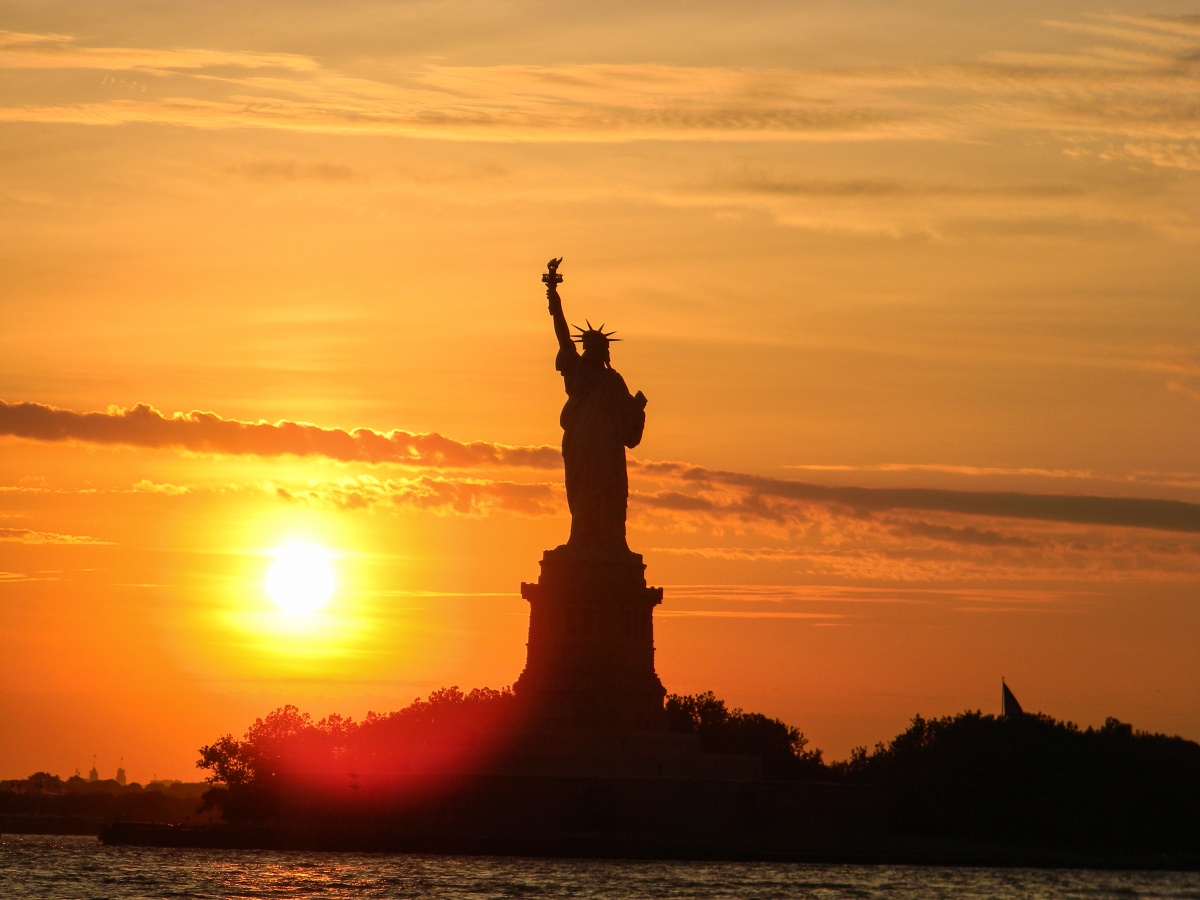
(599, 420)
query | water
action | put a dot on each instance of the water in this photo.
(58, 868)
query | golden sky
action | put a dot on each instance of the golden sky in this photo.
(912, 289)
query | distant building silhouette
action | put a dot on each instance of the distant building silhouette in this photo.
(121, 776)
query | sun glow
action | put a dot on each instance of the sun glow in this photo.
(301, 578)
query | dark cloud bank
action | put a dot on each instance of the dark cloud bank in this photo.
(206, 432)
(758, 492)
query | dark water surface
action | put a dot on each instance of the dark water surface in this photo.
(47, 867)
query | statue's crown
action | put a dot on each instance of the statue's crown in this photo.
(593, 337)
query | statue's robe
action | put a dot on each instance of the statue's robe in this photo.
(599, 420)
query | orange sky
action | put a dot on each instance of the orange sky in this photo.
(911, 289)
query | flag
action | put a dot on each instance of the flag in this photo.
(1010, 707)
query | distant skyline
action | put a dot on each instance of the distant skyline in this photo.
(911, 288)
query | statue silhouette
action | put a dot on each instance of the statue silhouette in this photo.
(599, 420)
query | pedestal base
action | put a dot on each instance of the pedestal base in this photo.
(590, 662)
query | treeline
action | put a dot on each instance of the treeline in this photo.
(782, 747)
(1029, 779)
(427, 734)
(246, 772)
(45, 803)
(1024, 780)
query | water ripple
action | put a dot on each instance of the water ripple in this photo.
(81, 868)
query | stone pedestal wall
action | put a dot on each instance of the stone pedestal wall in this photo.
(590, 660)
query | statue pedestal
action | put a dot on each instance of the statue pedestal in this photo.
(590, 661)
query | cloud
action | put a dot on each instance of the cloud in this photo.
(1136, 84)
(1172, 155)
(1179, 387)
(1159, 479)
(827, 604)
(58, 51)
(743, 614)
(754, 496)
(769, 184)
(461, 496)
(593, 103)
(687, 489)
(7, 577)
(837, 594)
(205, 432)
(291, 170)
(946, 469)
(29, 536)
(967, 535)
(439, 494)
(145, 486)
(1184, 372)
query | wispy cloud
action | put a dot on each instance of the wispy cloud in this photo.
(29, 536)
(291, 170)
(969, 534)
(439, 494)
(1135, 84)
(745, 614)
(1161, 479)
(944, 468)
(16, 577)
(828, 604)
(592, 103)
(1183, 373)
(58, 51)
(459, 496)
(766, 183)
(838, 594)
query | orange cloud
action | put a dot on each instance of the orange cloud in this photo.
(462, 496)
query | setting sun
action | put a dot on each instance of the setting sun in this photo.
(301, 578)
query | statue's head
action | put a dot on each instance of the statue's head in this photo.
(594, 341)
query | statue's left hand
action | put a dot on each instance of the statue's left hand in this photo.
(641, 399)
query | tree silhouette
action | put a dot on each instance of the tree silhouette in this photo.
(781, 747)
(1030, 779)
(247, 774)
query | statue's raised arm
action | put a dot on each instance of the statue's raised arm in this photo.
(552, 280)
